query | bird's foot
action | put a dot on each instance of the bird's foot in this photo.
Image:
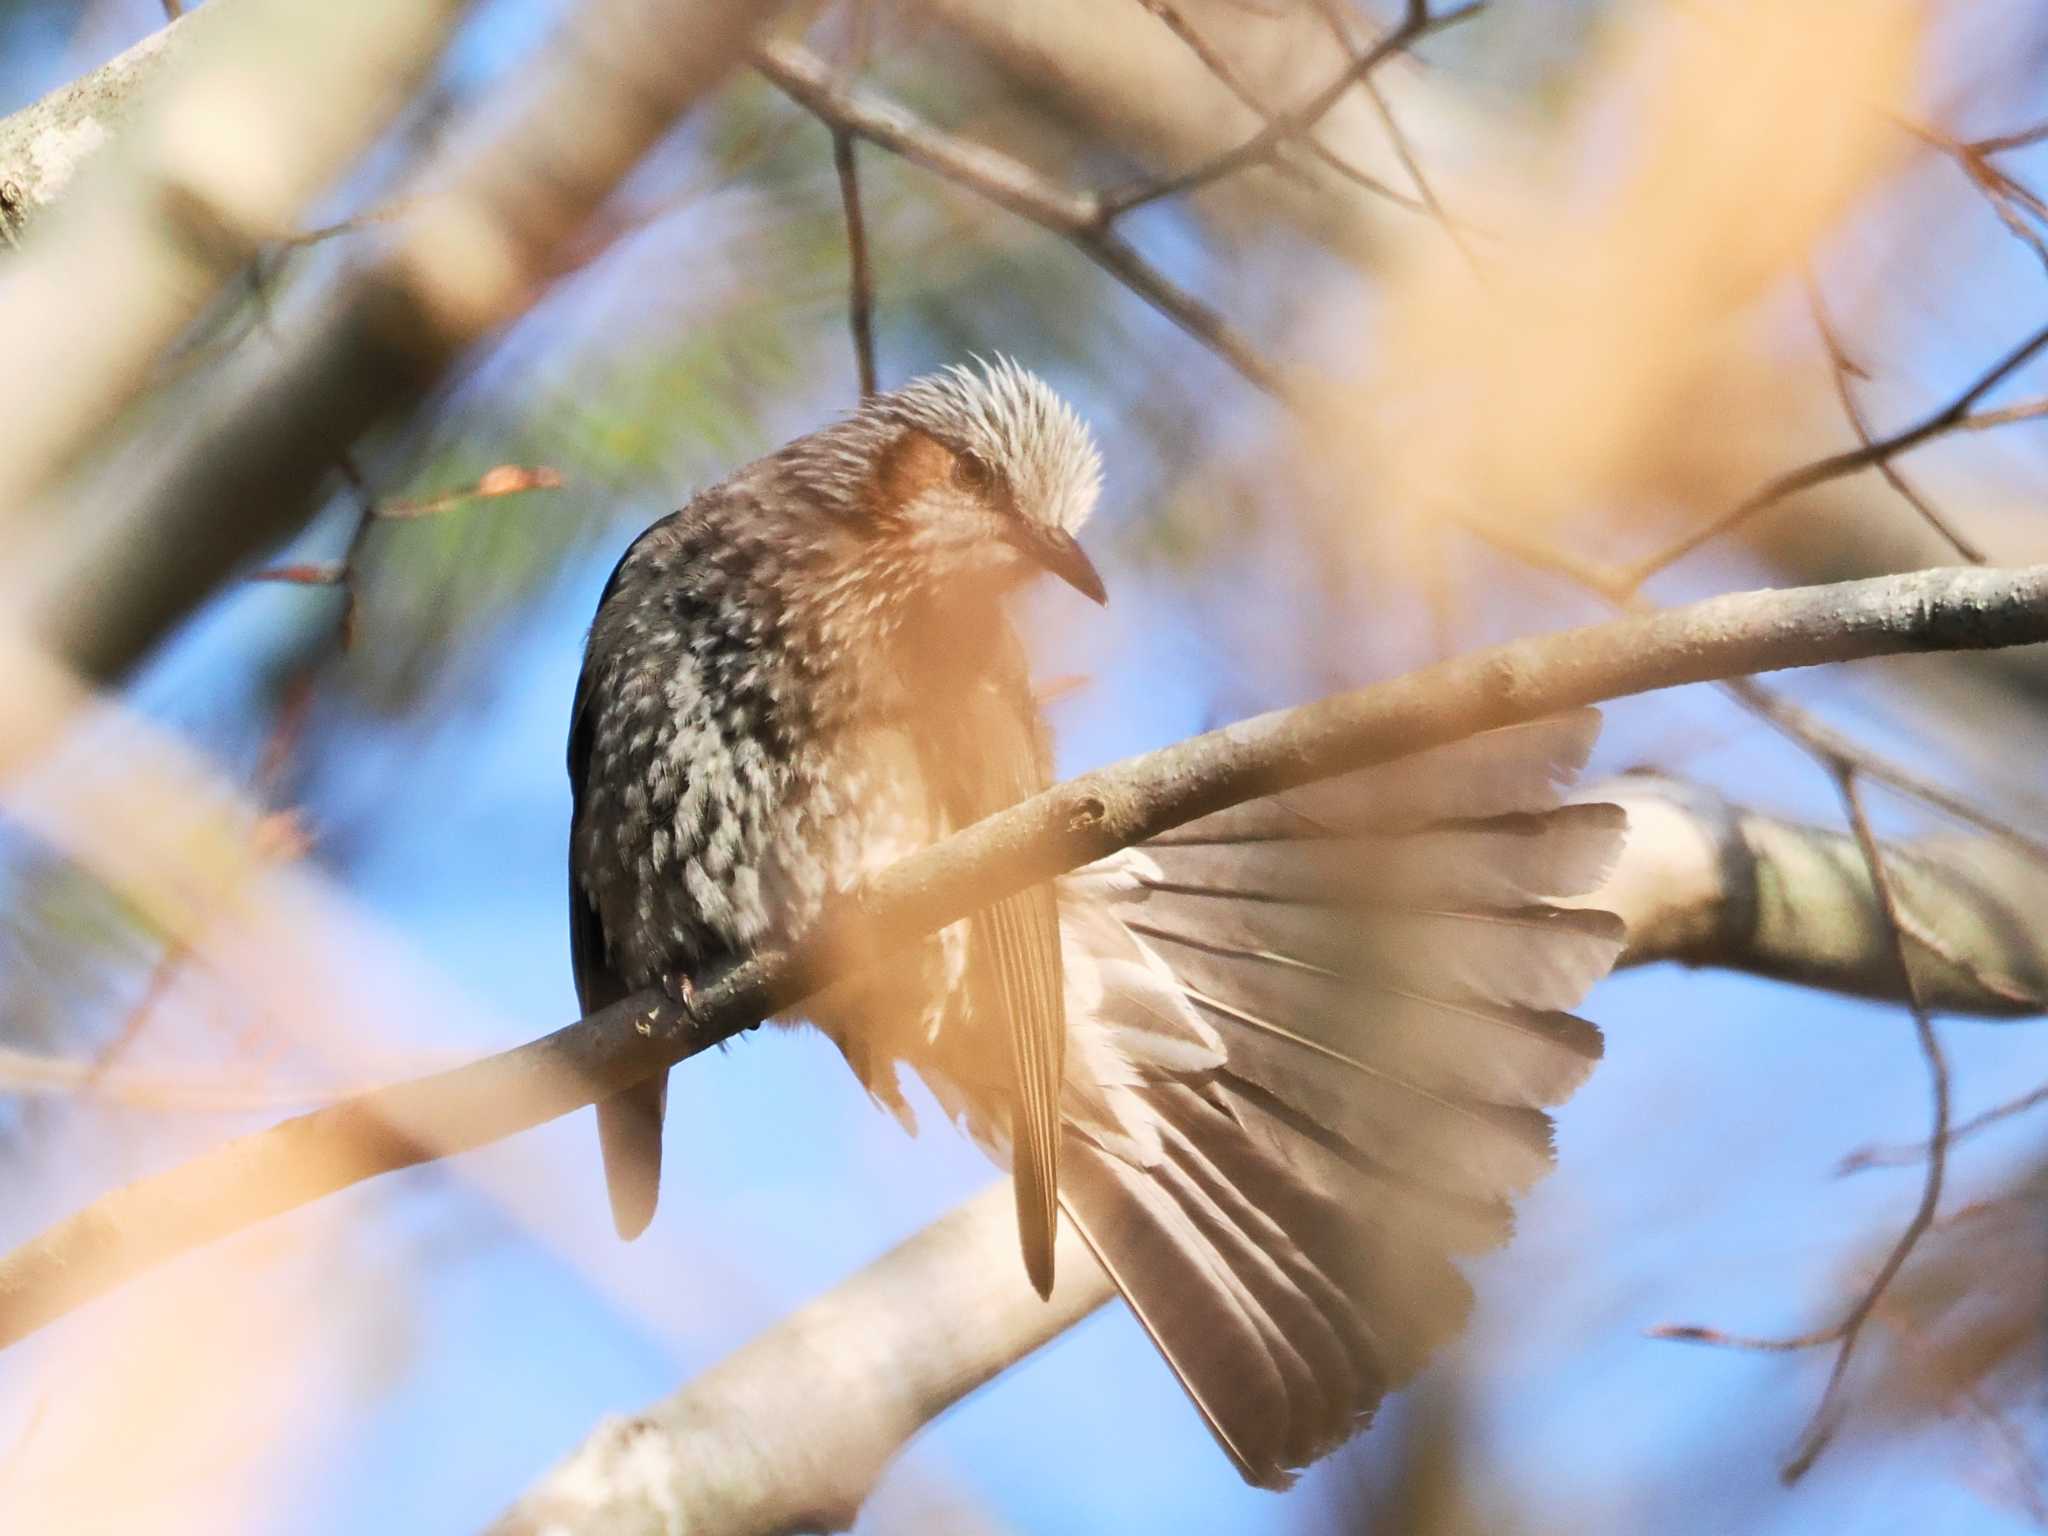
(680, 990)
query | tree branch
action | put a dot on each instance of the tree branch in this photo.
(239, 116)
(1077, 217)
(44, 145)
(859, 1370)
(791, 1432)
(147, 544)
(1708, 883)
(1086, 818)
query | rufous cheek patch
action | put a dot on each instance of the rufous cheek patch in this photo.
(909, 467)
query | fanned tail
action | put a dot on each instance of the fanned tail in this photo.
(1318, 1034)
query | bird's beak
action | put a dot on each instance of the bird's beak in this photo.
(1058, 552)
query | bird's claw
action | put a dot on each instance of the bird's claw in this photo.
(680, 990)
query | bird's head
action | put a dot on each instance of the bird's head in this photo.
(976, 479)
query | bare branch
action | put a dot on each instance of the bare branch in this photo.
(1844, 368)
(848, 1379)
(1008, 183)
(292, 1164)
(2019, 140)
(1708, 883)
(1952, 417)
(860, 303)
(140, 549)
(1911, 1152)
(1828, 1416)
(155, 226)
(1415, 24)
(1806, 728)
(1227, 76)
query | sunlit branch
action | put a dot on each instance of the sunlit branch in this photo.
(301, 1160)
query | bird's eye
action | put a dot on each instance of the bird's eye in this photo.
(971, 473)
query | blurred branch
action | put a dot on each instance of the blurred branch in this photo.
(1071, 824)
(845, 1382)
(860, 281)
(256, 109)
(1078, 217)
(858, 1371)
(44, 145)
(1416, 23)
(1229, 77)
(1708, 883)
(1112, 67)
(28, 1074)
(499, 224)
(1827, 1416)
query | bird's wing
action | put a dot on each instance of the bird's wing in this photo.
(629, 1124)
(993, 757)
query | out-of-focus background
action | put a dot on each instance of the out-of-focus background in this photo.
(1589, 327)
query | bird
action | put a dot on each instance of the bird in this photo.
(1283, 1067)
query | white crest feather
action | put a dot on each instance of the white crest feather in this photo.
(1014, 419)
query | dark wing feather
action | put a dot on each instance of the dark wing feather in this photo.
(628, 1124)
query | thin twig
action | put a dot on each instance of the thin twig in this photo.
(1009, 183)
(504, 480)
(1337, 21)
(1846, 1333)
(1904, 1154)
(2005, 416)
(169, 965)
(2005, 988)
(2010, 199)
(1827, 1417)
(2020, 140)
(1213, 60)
(355, 224)
(1954, 416)
(1796, 723)
(304, 573)
(1844, 368)
(1416, 23)
(860, 303)
(1807, 729)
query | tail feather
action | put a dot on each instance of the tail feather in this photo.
(1344, 1010)
(629, 1133)
(1503, 861)
(1461, 1144)
(1504, 1054)
(1185, 1297)
(1533, 956)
